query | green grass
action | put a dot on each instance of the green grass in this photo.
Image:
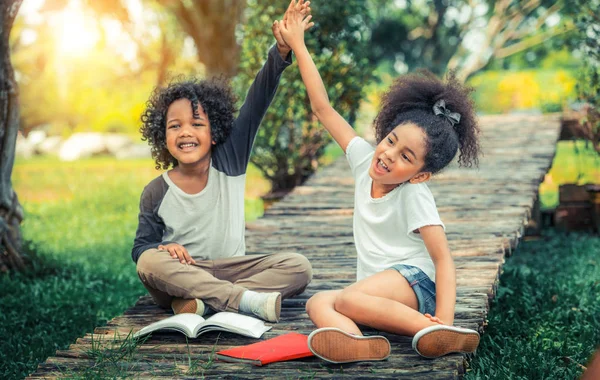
(80, 220)
(545, 321)
(574, 163)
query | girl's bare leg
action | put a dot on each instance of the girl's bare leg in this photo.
(384, 301)
(320, 309)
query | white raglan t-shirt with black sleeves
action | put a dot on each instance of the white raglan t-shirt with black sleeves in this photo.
(210, 224)
(384, 227)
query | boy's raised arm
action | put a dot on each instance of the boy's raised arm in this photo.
(233, 155)
(293, 33)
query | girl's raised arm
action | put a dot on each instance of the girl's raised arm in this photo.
(293, 33)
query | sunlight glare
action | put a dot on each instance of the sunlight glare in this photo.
(76, 32)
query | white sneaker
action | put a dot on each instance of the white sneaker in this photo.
(268, 307)
(337, 346)
(439, 340)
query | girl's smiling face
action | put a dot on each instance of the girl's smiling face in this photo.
(399, 157)
(188, 139)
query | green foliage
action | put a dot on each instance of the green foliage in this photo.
(544, 322)
(82, 276)
(553, 55)
(587, 20)
(587, 43)
(80, 220)
(102, 89)
(404, 33)
(290, 140)
(504, 91)
(436, 35)
(575, 162)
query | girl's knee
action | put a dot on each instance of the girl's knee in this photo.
(344, 301)
(310, 304)
(318, 302)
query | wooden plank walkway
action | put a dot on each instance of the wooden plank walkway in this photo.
(485, 212)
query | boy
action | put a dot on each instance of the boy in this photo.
(189, 246)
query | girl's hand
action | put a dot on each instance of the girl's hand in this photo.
(294, 26)
(177, 252)
(304, 8)
(434, 319)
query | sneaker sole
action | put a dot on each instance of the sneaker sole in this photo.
(180, 306)
(435, 341)
(336, 346)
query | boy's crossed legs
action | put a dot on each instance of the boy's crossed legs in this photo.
(221, 283)
(384, 301)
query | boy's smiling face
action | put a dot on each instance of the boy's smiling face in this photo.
(399, 157)
(188, 139)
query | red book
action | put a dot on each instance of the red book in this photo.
(289, 346)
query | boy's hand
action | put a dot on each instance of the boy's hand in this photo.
(292, 29)
(177, 252)
(301, 6)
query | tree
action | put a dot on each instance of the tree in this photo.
(11, 213)
(212, 25)
(434, 36)
(587, 20)
(290, 139)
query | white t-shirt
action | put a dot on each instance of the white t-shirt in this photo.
(383, 227)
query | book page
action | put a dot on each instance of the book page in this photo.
(234, 322)
(185, 323)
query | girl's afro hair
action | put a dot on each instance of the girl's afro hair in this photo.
(411, 98)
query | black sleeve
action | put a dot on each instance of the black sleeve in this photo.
(150, 226)
(233, 155)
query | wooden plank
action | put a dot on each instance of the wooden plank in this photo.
(485, 211)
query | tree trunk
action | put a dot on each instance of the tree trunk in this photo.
(11, 213)
(211, 24)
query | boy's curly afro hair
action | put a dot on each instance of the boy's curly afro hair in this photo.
(410, 100)
(216, 97)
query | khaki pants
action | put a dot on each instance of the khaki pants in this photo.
(220, 283)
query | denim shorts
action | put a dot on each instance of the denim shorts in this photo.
(422, 285)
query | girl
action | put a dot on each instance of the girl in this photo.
(406, 276)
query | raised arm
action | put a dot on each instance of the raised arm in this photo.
(233, 155)
(293, 33)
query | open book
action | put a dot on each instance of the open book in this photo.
(193, 325)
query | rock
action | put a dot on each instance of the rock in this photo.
(115, 143)
(24, 148)
(50, 146)
(36, 137)
(81, 145)
(134, 151)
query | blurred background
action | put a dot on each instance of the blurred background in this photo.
(85, 68)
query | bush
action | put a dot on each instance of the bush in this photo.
(504, 91)
(290, 140)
